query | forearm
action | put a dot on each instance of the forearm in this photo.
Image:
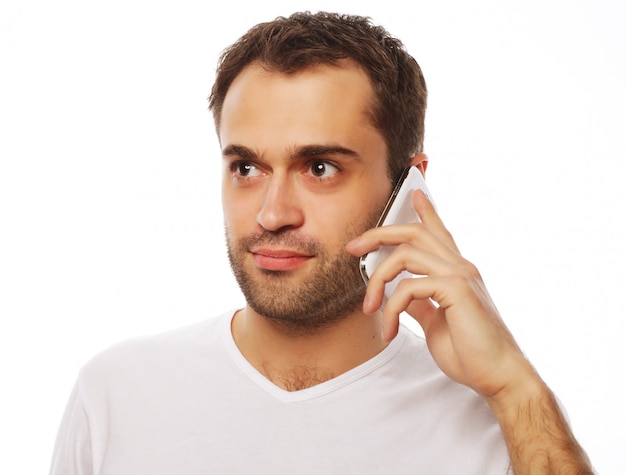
(537, 434)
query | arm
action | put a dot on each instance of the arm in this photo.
(538, 437)
(469, 340)
(72, 451)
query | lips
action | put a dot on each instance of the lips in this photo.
(279, 259)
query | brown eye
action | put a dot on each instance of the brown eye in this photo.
(322, 169)
(244, 169)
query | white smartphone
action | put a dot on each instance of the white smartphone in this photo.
(398, 210)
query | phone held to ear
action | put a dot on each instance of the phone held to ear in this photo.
(398, 210)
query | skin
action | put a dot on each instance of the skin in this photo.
(266, 117)
(264, 127)
(468, 339)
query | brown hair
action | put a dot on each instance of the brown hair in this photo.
(303, 40)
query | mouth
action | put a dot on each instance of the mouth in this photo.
(279, 259)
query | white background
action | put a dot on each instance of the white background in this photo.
(110, 216)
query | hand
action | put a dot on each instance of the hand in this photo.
(468, 339)
(463, 330)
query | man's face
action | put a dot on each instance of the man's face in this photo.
(304, 172)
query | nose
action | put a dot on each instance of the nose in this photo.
(280, 209)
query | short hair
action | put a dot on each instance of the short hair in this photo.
(291, 44)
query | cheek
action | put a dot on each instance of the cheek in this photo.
(238, 206)
(340, 225)
(370, 214)
(237, 217)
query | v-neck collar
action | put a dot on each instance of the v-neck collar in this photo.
(317, 391)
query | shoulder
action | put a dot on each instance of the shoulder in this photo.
(138, 357)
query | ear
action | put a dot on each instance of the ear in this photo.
(420, 160)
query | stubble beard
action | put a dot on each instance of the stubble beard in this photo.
(329, 293)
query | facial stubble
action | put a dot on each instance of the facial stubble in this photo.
(332, 289)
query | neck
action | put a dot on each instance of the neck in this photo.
(295, 361)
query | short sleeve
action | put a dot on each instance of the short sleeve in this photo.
(72, 453)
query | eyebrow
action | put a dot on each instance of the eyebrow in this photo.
(238, 151)
(298, 152)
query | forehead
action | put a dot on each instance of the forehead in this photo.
(343, 72)
(336, 95)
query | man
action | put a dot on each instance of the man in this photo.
(317, 115)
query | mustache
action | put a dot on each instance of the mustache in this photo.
(289, 239)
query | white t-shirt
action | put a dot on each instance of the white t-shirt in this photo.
(187, 402)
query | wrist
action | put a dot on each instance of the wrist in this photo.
(537, 434)
(527, 390)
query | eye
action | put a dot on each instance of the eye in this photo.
(244, 169)
(322, 169)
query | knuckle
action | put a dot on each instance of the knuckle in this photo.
(464, 278)
(404, 284)
(417, 232)
(404, 249)
(459, 280)
(471, 270)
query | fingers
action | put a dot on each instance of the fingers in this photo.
(424, 249)
(428, 299)
(418, 251)
(429, 216)
(430, 234)
(414, 260)
(463, 329)
(423, 311)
